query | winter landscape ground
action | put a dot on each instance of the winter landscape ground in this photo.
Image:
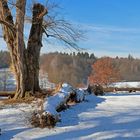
(94, 49)
(113, 116)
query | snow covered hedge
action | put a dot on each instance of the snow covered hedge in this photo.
(53, 104)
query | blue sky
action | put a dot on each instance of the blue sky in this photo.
(112, 26)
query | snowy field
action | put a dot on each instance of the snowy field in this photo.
(126, 85)
(113, 116)
(8, 82)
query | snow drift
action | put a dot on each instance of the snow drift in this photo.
(52, 105)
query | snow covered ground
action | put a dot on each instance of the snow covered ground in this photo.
(126, 84)
(8, 82)
(113, 116)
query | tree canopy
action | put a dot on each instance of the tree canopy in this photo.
(103, 72)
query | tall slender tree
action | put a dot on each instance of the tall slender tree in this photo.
(25, 58)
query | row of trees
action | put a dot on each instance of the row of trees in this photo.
(73, 68)
(129, 68)
(107, 70)
(7, 82)
(4, 59)
(76, 67)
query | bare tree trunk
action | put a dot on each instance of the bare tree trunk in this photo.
(20, 47)
(10, 38)
(34, 47)
(25, 61)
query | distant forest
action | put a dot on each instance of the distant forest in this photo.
(76, 67)
(129, 68)
(4, 59)
(72, 68)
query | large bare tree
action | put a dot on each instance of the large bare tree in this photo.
(25, 57)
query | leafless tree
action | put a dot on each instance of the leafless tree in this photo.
(25, 57)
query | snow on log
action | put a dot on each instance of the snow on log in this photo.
(53, 104)
(80, 95)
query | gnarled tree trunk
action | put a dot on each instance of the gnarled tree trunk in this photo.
(34, 46)
(25, 60)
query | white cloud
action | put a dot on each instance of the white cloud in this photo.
(108, 29)
(101, 40)
(109, 40)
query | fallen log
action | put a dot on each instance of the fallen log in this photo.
(49, 115)
(112, 89)
(8, 94)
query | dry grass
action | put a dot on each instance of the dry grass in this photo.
(43, 93)
(9, 94)
(17, 101)
(9, 100)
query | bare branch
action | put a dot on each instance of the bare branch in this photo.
(43, 14)
(6, 20)
(58, 28)
(62, 30)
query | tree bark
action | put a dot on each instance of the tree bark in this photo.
(34, 46)
(20, 47)
(25, 61)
